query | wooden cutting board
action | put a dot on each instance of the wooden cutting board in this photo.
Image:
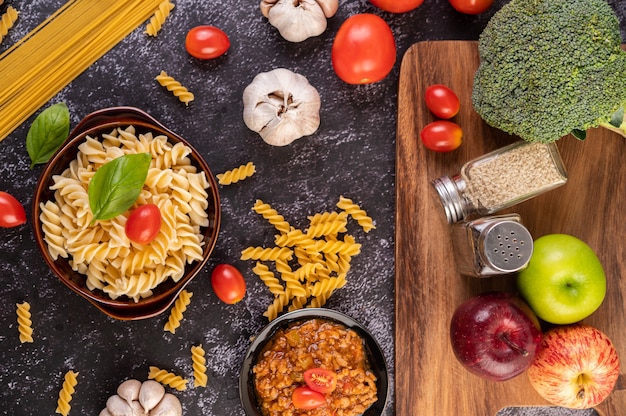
(428, 378)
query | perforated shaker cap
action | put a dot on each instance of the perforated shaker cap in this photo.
(506, 246)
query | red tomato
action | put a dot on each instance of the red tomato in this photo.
(442, 101)
(12, 212)
(304, 397)
(206, 42)
(442, 136)
(228, 283)
(471, 6)
(320, 379)
(397, 6)
(364, 50)
(143, 224)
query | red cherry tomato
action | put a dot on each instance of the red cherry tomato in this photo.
(442, 136)
(364, 49)
(305, 398)
(206, 42)
(321, 379)
(143, 224)
(471, 6)
(442, 101)
(397, 6)
(228, 283)
(12, 212)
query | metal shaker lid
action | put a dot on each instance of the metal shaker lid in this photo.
(506, 246)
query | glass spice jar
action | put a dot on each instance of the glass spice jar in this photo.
(501, 179)
(491, 246)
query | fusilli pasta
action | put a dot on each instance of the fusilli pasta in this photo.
(65, 394)
(237, 174)
(271, 215)
(156, 21)
(102, 251)
(24, 323)
(176, 314)
(7, 21)
(199, 366)
(356, 213)
(167, 378)
(182, 93)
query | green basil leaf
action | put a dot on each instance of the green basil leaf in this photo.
(47, 133)
(115, 186)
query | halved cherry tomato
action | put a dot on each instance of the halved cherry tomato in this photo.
(305, 398)
(364, 49)
(143, 224)
(442, 136)
(228, 283)
(442, 101)
(12, 212)
(321, 379)
(206, 42)
(397, 6)
(471, 6)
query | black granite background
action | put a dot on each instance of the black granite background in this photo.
(352, 154)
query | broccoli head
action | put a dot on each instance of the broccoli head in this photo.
(551, 67)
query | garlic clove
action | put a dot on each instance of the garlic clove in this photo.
(116, 406)
(329, 7)
(150, 394)
(168, 406)
(138, 409)
(129, 390)
(105, 412)
(297, 20)
(266, 5)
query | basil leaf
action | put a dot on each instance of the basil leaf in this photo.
(47, 133)
(116, 185)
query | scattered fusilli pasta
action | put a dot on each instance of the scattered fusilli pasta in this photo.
(65, 395)
(199, 366)
(156, 21)
(237, 174)
(356, 213)
(167, 378)
(24, 323)
(176, 314)
(183, 94)
(7, 21)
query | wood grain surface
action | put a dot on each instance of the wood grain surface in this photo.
(429, 380)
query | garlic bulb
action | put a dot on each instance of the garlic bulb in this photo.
(281, 106)
(297, 20)
(135, 398)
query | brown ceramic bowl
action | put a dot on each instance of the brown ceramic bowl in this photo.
(94, 124)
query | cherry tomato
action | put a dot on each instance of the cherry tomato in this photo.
(442, 136)
(12, 212)
(305, 398)
(143, 224)
(442, 101)
(321, 379)
(228, 283)
(364, 49)
(397, 6)
(471, 6)
(206, 42)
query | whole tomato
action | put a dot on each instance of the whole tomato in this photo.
(143, 224)
(228, 283)
(364, 50)
(471, 6)
(305, 398)
(397, 6)
(206, 42)
(442, 101)
(12, 212)
(442, 136)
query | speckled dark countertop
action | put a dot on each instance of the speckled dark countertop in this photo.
(352, 154)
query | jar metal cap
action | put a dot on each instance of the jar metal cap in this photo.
(507, 246)
(450, 198)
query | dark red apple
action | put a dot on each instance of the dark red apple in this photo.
(495, 335)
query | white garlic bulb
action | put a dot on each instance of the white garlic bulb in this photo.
(297, 20)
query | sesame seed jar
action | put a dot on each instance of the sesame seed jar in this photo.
(501, 179)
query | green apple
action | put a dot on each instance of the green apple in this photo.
(564, 281)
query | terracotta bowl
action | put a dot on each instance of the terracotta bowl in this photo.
(95, 124)
(373, 352)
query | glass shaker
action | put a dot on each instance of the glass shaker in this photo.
(500, 179)
(491, 246)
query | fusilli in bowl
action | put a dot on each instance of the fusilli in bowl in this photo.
(161, 297)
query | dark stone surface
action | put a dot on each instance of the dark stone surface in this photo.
(352, 154)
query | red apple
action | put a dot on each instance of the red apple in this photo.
(495, 335)
(577, 367)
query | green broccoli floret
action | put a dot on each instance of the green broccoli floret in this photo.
(551, 67)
